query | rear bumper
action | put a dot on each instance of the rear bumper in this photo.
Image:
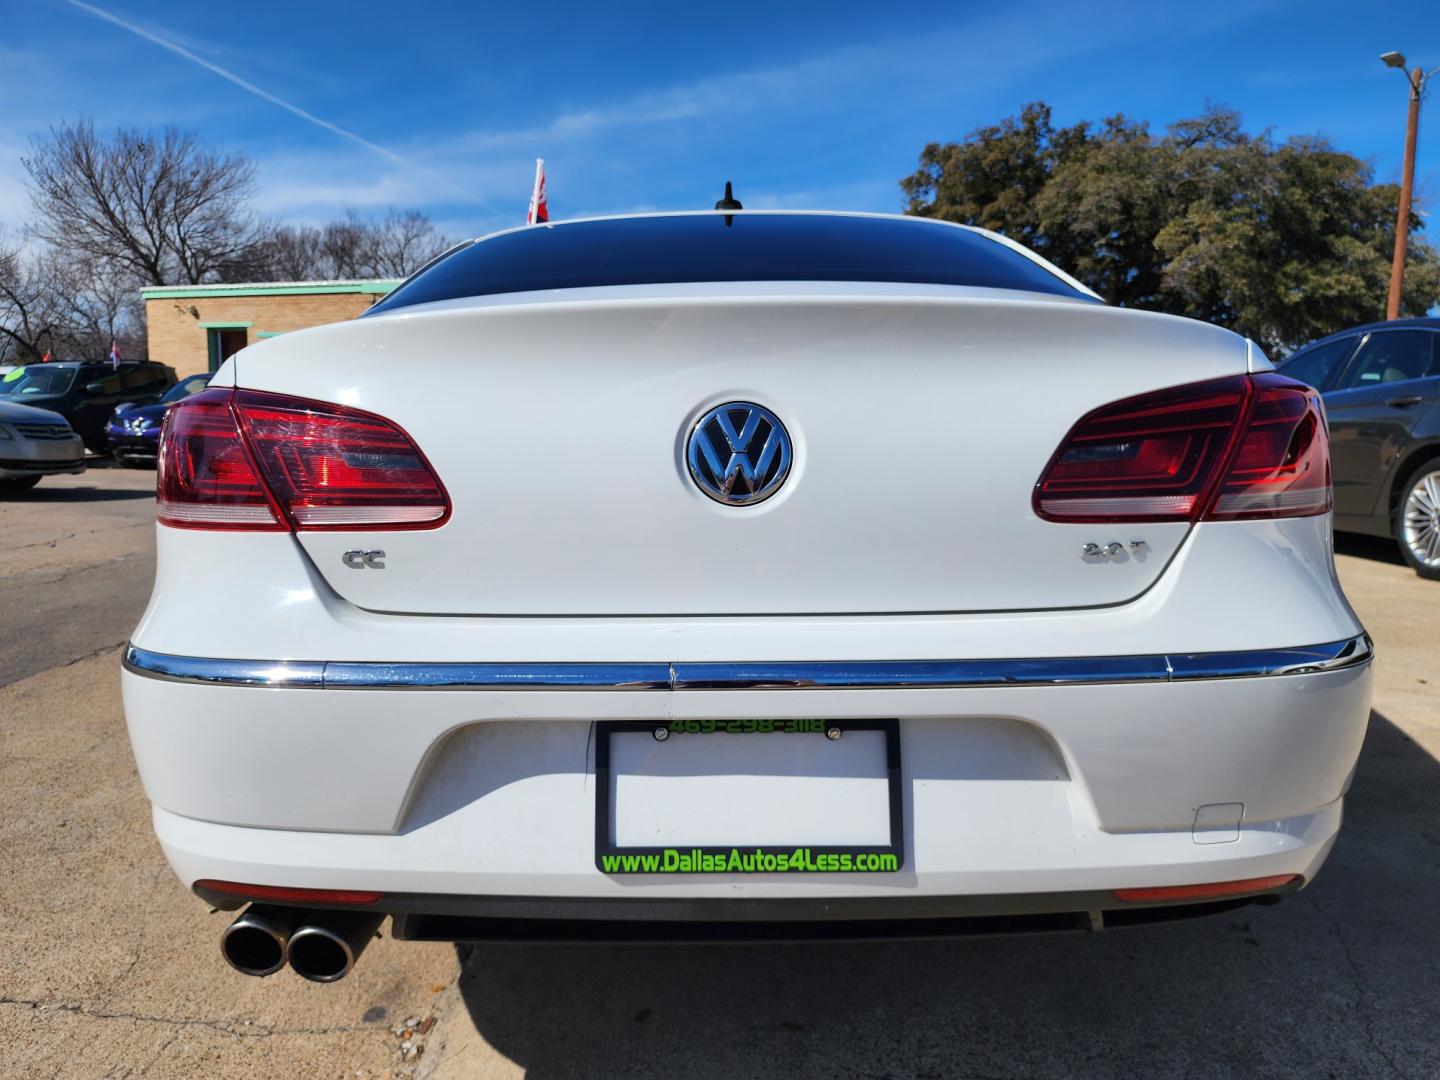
(303, 741)
(1008, 790)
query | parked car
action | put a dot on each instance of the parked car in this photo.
(86, 393)
(34, 444)
(755, 574)
(1381, 386)
(133, 433)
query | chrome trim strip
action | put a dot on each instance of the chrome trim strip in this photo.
(196, 669)
(371, 676)
(375, 675)
(1299, 661)
(920, 673)
(800, 675)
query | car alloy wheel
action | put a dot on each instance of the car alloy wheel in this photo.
(1419, 525)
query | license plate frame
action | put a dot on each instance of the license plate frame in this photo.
(615, 860)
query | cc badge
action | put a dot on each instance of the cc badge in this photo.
(364, 560)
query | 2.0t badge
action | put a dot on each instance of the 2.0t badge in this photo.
(739, 453)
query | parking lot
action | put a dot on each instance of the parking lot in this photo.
(109, 967)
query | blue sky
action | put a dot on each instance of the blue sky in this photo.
(443, 107)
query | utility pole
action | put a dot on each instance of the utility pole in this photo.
(1417, 79)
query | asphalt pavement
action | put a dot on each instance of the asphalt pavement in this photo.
(109, 967)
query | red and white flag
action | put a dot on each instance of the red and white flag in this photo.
(114, 355)
(539, 209)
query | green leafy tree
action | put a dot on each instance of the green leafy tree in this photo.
(1283, 242)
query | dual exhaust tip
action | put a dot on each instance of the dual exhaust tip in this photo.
(321, 946)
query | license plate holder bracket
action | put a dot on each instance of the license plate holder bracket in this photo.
(819, 858)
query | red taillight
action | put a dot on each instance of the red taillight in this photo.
(1210, 891)
(335, 468)
(205, 478)
(322, 466)
(1282, 468)
(286, 892)
(1238, 447)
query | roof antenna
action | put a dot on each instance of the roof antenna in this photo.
(729, 202)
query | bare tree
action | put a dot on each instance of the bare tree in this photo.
(32, 313)
(346, 247)
(395, 245)
(49, 303)
(296, 253)
(103, 308)
(404, 242)
(164, 207)
(113, 214)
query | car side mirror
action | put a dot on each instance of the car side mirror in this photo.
(95, 388)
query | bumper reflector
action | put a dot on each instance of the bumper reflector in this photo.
(1211, 891)
(286, 893)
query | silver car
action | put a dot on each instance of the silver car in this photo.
(35, 443)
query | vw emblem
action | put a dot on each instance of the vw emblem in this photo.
(739, 453)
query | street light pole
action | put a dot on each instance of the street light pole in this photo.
(1417, 79)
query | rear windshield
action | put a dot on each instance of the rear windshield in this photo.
(721, 247)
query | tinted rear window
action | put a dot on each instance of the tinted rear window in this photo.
(703, 247)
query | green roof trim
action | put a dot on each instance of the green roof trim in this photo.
(294, 288)
(226, 325)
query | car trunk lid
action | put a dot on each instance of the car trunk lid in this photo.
(920, 420)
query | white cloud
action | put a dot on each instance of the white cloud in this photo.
(315, 187)
(774, 87)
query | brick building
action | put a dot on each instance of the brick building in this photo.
(197, 327)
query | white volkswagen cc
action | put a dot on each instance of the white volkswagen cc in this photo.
(746, 574)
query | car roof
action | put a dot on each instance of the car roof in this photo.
(1423, 322)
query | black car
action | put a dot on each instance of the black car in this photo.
(1381, 385)
(86, 393)
(134, 430)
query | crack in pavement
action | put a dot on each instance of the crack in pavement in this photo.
(140, 937)
(128, 1070)
(1362, 995)
(57, 541)
(33, 578)
(174, 1035)
(101, 651)
(238, 1029)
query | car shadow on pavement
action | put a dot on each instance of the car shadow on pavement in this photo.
(1376, 548)
(1339, 980)
(74, 494)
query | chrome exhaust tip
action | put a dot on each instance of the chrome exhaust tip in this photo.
(328, 945)
(255, 943)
